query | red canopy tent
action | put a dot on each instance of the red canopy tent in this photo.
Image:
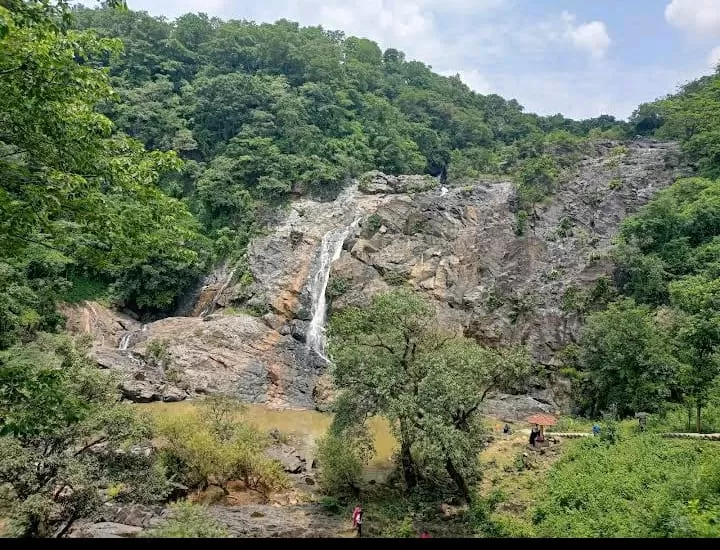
(542, 419)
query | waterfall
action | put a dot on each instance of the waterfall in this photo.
(125, 340)
(330, 249)
(210, 308)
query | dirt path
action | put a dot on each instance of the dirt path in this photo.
(516, 471)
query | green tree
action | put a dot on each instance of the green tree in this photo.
(63, 434)
(698, 337)
(626, 360)
(389, 360)
(536, 179)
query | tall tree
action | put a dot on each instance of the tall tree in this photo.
(390, 360)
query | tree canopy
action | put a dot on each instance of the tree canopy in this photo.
(389, 359)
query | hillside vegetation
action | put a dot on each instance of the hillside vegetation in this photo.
(135, 152)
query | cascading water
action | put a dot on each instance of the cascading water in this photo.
(210, 308)
(127, 337)
(330, 249)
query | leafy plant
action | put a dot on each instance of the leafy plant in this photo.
(188, 521)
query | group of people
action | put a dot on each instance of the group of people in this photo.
(357, 520)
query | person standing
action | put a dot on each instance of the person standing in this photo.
(534, 434)
(357, 520)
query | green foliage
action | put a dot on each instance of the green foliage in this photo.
(86, 289)
(394, 278)
(536, 179)
(374, 222)
(642, 486)
(338, 286)
(55, 407)
(616, 184)
(389, 360)
(341, 461)
(158, 353)
(520, 223)
(331, 505)
(212, 449)
(403, 530)
(626, 360)
(188, 521)
(72, 186)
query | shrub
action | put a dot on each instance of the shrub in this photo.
(394, 278)
(188, 521)
(374, 222)
(213, 451)
(615, 184)
(158, 353)
(338, 286)
(340, 465)
(403, 530)
(638, 487)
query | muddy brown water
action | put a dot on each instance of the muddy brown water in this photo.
(304, 427)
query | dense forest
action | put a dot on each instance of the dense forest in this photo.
(136, 152)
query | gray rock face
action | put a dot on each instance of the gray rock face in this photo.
(459, 246)
(292, 460)
(180, 357)
(105, 530)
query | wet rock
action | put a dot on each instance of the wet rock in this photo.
(238, 355)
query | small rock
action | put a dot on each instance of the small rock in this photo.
(257, 514)
(309, 480)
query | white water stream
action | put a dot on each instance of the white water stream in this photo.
(330, 249)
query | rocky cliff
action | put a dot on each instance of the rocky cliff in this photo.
(459, 245)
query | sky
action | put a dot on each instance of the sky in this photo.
(581, 58)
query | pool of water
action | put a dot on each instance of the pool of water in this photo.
(304, 426)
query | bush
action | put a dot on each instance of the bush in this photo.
(638, 487)
(207, 451)
(189, 521)
(340, 465)
(338, 286)
(403, 530)
(331, 505)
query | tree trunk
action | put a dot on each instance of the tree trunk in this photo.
(698, 425)
(408, 467)
(458, 479)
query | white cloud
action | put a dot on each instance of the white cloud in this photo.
(714, 58)
(694, 16)
(591, 37)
